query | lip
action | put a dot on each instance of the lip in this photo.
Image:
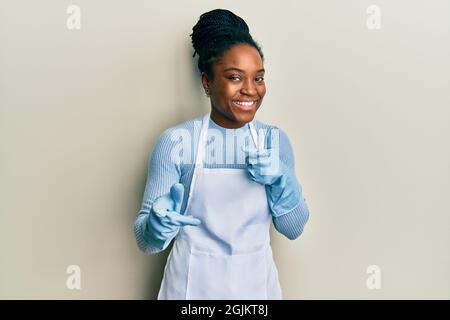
(243, 107)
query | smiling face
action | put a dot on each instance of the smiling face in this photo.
(237, 87)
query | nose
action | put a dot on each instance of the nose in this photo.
(248, 88)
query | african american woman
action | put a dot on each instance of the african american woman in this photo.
(216, 182)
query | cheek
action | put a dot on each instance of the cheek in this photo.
(221, 88)
(262, 90)
(229, 91)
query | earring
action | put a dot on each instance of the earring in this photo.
(207, 92)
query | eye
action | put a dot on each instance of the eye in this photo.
(234, 78)
(259, 79)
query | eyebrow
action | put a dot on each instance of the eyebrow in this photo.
(240, 70)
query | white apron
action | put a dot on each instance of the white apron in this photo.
(228, 256)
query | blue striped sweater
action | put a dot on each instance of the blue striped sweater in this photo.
(166, 167)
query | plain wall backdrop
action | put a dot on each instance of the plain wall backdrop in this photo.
(367, 112)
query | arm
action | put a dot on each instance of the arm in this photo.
(162, 173)
(292, 217)
(275, 168)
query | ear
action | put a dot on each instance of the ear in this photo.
(205, 80)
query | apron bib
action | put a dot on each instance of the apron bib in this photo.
(228, 256)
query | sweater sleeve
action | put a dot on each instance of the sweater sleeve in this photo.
(162, 173)
(292, 223)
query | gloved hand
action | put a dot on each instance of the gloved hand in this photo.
(165, 220)
(265, 167)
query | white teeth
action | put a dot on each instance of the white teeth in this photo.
(244, 103)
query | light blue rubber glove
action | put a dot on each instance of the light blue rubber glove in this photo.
(265, 167)
(165, 220)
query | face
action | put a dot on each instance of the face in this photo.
(237, 88)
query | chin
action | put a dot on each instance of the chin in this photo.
(244, 117)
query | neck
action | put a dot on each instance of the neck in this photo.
(224, 122)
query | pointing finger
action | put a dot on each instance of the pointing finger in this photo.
(182, 220)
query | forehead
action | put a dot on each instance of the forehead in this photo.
(242, 56)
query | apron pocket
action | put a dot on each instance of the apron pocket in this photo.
(218, 276)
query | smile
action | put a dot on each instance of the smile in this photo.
(245, 105)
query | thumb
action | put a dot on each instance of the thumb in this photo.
(273, 138)
(269, 138)
(250, 150)
(177, 194)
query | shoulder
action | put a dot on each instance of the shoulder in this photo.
(174, 134)
(280, 139)
(173, 143)
(188, 125)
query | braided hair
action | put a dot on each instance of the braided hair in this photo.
(215, 32)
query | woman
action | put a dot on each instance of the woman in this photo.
(219, 211)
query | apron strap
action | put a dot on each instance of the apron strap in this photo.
(258, 140)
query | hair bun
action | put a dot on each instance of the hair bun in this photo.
(215, 24)
(214, 33)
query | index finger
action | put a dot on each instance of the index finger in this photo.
(182, 220)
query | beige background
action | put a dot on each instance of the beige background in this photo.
(367, 112)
